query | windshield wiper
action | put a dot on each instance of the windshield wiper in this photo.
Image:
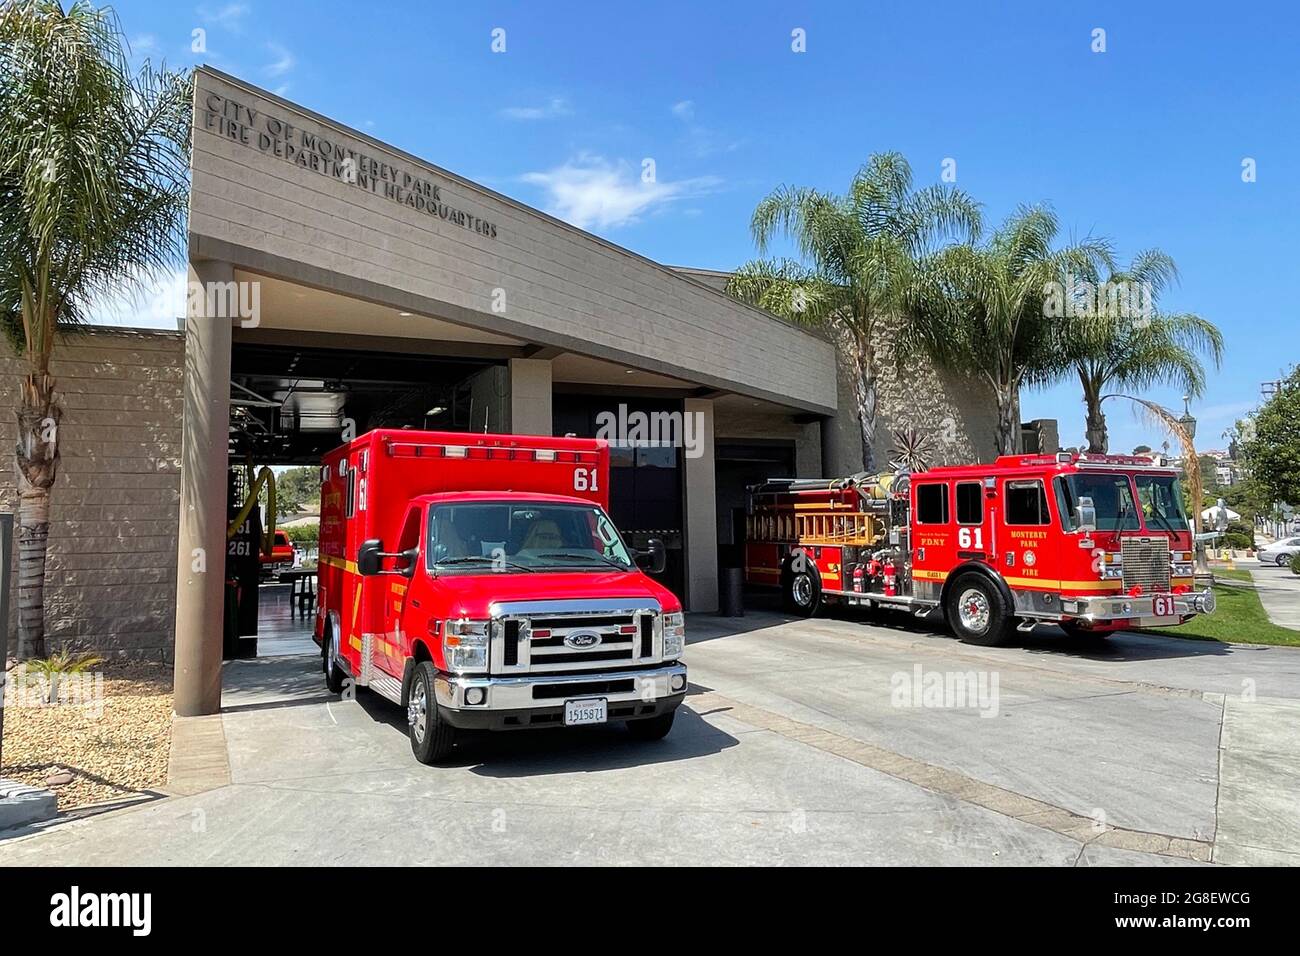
(1157, 513)
(463, 559)
(584, 557)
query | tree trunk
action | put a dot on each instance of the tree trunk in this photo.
(1098, 440)
(37, 459)
(1008, 435)
(864, 393)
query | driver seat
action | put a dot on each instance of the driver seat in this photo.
(543, 535)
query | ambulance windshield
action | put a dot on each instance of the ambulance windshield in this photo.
(512, 536)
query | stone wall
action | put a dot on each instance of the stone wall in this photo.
(110, 580)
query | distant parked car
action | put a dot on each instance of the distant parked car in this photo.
(1280, 552)
(283, 555)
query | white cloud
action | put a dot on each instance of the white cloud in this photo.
(284, 60)
(556, 106)
(684, 110)
(229, 17)
(145, 44)
(156, 305)
(591, 192)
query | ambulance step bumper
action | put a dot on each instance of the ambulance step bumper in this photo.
(509, 703)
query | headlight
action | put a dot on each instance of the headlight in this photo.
(674, 634)
(465, 645)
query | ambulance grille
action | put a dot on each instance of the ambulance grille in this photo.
(559, 637)
(1145, 563)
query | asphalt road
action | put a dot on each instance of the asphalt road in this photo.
(834, 741)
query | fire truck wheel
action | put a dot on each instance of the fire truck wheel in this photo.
(431, 737)
(652, 728)
(329, 651)
(801, 592)
(978, 613)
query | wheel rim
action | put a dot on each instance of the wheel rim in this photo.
(801, 590)
(1281, 560)
(973, 610)
(417, 711)
(332, 656)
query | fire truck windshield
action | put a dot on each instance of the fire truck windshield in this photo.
(509, 536)
(1159, 496)
(1112, 497)
(1162, 502)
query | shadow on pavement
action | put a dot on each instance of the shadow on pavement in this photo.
(526, 753)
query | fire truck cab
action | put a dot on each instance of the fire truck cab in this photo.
(477, 581)
(1094, 543)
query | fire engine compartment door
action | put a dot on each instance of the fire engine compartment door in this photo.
(973, 514)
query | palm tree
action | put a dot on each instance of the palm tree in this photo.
(1134, 349)
(857, 253)
(93, 193)
(982, 310)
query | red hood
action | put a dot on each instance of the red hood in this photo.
(470, 594)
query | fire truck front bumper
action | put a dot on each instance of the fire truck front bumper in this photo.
(1145, 610)
(538, 700)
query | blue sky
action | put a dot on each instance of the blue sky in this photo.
(1142, 143)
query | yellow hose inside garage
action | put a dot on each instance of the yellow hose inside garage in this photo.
(264, 477)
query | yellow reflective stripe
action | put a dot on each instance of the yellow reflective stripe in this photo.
(929, 575)
(349, 566)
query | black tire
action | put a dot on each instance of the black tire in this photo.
(652, 728)
(334, 676)
(432, 738)
(986, 619)
(801, 590)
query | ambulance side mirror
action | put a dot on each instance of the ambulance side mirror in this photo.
(369, 557)
(654, 558)
(1085, 515)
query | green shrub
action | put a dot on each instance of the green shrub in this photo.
(1295, 564)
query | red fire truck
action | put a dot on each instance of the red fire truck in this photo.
(1093, 543)
(477, 581)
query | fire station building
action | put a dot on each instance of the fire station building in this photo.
(349, 285)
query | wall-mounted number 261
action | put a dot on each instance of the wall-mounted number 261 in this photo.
(585, 479)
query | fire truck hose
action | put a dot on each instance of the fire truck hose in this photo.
(264, 477)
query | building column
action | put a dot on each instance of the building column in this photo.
(201, 544)
(700, 508)
(530, 397)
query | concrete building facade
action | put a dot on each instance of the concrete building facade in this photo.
(339, 283)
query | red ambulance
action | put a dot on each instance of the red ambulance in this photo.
(477, 581)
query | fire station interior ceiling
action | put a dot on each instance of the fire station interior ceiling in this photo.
(287, 305)
(288, 404)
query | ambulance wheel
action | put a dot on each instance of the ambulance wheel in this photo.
(801, 591)
(329, 651)
(652, 728)
(432, 738)
(978, 612)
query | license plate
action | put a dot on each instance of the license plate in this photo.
(588, 711)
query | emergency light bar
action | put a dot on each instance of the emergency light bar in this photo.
(422, 450)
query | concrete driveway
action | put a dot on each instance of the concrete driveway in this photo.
(832, 741)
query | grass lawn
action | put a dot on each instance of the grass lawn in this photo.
(1239, 617)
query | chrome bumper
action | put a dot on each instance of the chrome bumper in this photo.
(1109, 607)
(552, 690)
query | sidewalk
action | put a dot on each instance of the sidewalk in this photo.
(1279, 592)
